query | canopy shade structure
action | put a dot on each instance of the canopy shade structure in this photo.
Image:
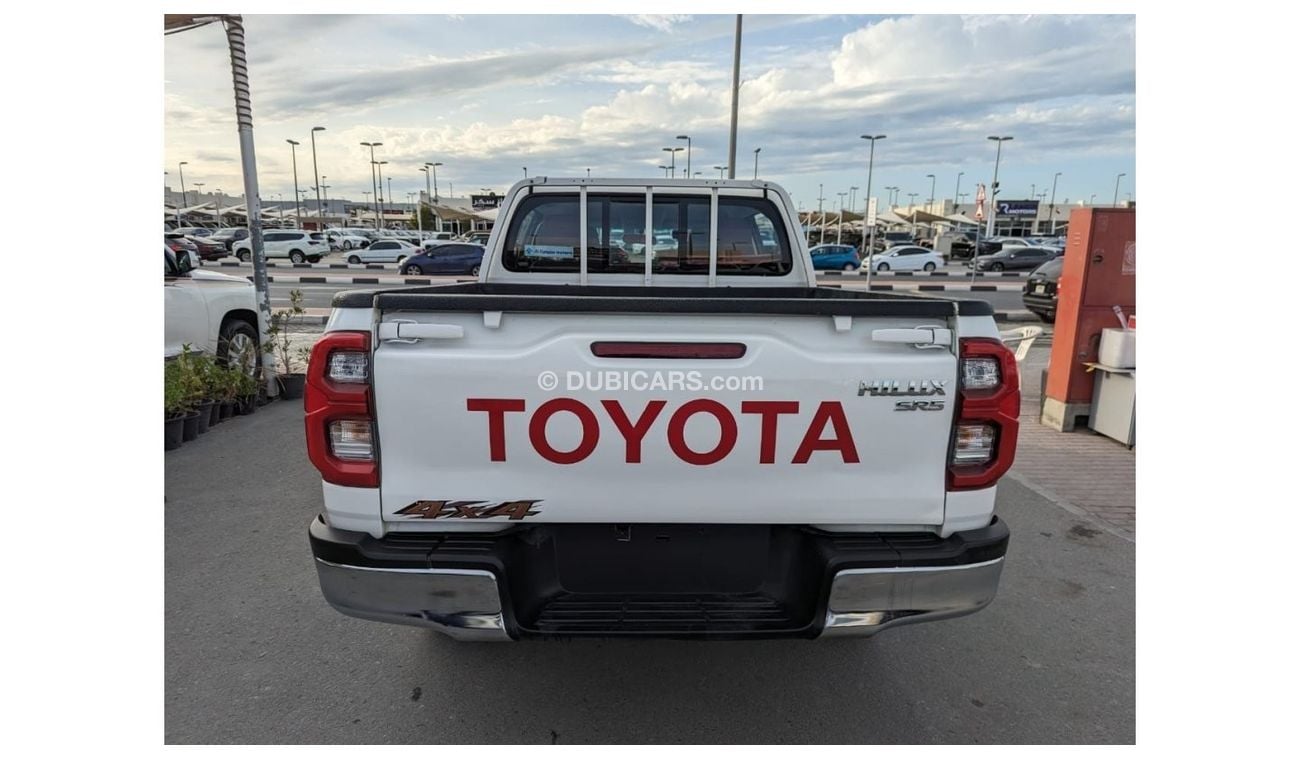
(961, 219)
(917, 216)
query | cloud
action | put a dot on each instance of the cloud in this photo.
(663, 22)
(430, 78)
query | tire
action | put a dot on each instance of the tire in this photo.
(849, 268)
(347, 245)
(297, 257)
(354, 259)
(313, 259)
(400, 259)
(474, 270)
(929, 266)
(413, 269)
(997, 266)
(244, 255)
(236, 336)
(882, 267)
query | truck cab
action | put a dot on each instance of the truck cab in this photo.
(696, 441)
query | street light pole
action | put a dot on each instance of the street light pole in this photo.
(374, 188)
(956, 193)
(434, 166)
(993, 189)
(1115, 202)
(688, 155)
(735, 102)
(672, 163)
(821, 218)
(297, 210)
(911, 209)
(871, 165)
(320, 215)
(665, 168)
(1051, 208)
(839, 224)
(181, 166)
(720, 169)
(756, 150)
(525, 172)
(198, 193)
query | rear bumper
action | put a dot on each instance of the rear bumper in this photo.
(675, 581)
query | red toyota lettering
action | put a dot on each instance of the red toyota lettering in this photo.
(496, 409)
(590, 430)
(832, 412)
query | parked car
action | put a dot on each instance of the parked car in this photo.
(196, 231)
(995, 244)
(413, 238)
(438, 236)
(962, 246)
(833, 256)
(228, 236)
(348, 239)
(477, 236)
(211, 312)
(906, 258)
(294, 245)
(208, 249)
(177, 242)
(384, 250)
(1015, 258)
(1040, 289)
(446, 258)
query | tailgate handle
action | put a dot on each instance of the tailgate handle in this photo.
(916, 336)
(412, 331)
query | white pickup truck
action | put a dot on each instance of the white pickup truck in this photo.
(590, 441)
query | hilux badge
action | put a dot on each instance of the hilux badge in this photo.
(902, 388)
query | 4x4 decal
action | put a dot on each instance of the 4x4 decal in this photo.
(470, 510)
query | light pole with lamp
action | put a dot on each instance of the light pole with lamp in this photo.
(821, 218)
(871, 166)
(433, 165)
(374, 189)
(911, 210)
(320, 215)
(839, 223)
(688, 155)
(720, 169)
(1115, 202)
(198, 193)
(993, 189)
(756, 150)
(929, 206)
(956, 193)
(181, 166)
(672, 164)
(1051, 207)
(297, 210)
(666, 170)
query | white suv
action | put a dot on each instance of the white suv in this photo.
(211, 312)
(294, 245)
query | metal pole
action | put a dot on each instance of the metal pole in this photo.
(839, 224)
(687, 138)
(735, 102)
(297, 210)
(956, 193)
(821, 218)
(320, 215)
(374, 187)
(248, 158)
(1115, 202)
(1051, 209)
(993, 189)
(390, 188)
(756, 150)
(380, 168)
(929, 206)
(871, 165)
(435, 182)
(181, 166)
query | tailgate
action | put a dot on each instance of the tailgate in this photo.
(515, 417)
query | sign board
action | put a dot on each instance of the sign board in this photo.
(871, 212)
(481, 202)
(979, 203)
(1018, 208)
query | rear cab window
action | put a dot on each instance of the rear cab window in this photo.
(544, 235)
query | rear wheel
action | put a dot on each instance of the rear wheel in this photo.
(347, 245)
(882, 268)
(849, 267)
(237, 347)
(997, 266)
(929, 266)
(474, 270)
(297, 257)
(354, 259)
(413, 269)
(245, 255)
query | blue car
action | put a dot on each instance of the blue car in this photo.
(441, 257)
(835, 256)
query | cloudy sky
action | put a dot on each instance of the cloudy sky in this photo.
(560, 94)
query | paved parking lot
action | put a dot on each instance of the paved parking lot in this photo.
(254, 654)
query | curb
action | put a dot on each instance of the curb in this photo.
(936, 273)
(277, 265)
(909, 288)
(1070, 507)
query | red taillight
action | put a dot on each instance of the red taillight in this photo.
(338, 390)
(666, 350)
(991, 410)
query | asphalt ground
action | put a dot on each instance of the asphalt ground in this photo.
(253, 654)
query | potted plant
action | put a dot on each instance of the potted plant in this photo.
(204, 367)
(173, 406)
(227, 390)
(191, 388)
(246, 389)
(293, 362)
